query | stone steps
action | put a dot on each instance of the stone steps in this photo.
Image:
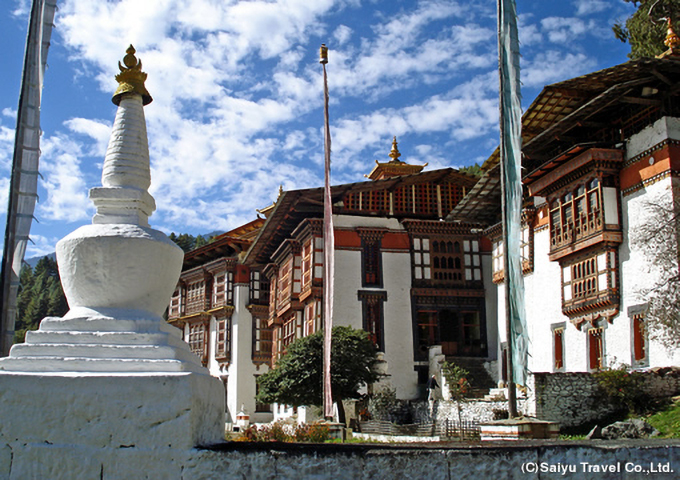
(99, 351)
(103, 338)
(79, 365)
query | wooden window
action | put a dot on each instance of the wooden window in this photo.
(312, 318)
(289, 332)
(639, 340)
(262, 340)
(285, 282)
(223, 289)
(307, 264)
(428, 329)
(222, 338)
(195, 297)
(371, 264)
(576, 214)
(596, 348)
(421, 259)
(176, 304)
(558, 347)
(373, 317)
(197, 340)
(473, 261)
(259, 288)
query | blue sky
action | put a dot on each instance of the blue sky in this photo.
(237, 91)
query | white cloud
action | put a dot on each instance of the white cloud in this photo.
(342, 34)
(552, 66)
(10, 112)
(562, 29)
(64, 181)
(589, 7)
(97, 130)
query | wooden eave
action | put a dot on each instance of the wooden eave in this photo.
(294, 206)
(572, 113)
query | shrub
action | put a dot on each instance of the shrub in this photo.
(315, 433)
(625, 390)
(383, 404)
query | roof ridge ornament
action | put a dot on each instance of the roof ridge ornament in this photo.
(672, 40)
(394, 153)
(131, 78)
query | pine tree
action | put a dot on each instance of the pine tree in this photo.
(40, 295)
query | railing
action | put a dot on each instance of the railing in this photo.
(467, 430)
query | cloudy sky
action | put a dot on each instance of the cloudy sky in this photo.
(238, 93)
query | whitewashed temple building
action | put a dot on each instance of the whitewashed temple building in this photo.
(419, 259)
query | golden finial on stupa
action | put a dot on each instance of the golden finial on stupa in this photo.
(394, 153)
(131, 78)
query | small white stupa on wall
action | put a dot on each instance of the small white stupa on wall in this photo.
(111, 373)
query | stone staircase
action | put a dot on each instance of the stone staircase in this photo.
(479, 379)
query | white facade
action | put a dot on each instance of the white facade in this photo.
(544, 291)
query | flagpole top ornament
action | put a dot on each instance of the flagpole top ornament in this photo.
(131, 78)
(323, 54)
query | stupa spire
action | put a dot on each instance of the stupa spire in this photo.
(123, 197)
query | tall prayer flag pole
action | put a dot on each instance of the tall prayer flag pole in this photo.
(511, 185)
(24, 178)
(328, 250)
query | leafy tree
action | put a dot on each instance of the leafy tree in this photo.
(40, 295)
(297, 377)
(459, 387)
(658, 240)
(646, 32)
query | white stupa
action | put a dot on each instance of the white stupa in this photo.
(112, 373)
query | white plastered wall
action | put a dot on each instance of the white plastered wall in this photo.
(398, 329)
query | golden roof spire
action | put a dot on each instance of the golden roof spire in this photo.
(131, 78)
(394, 153)
(394, 167)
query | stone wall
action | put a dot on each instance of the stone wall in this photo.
(571, 398)
(573, 460)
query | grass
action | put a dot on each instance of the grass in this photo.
(667, 421)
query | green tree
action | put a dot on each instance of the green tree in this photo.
(40, 295)
(297, 377)
(474, 170)
(645, 31)
(459, 387)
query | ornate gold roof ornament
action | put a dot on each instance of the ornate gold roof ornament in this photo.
(394, 153)
(394, 167)
(131, 78)
(672, 40)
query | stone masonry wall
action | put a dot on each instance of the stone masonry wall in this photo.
(571, 398)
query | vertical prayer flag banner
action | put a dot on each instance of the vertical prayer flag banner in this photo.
(23, 190)
(328, 249)
(511, 165)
